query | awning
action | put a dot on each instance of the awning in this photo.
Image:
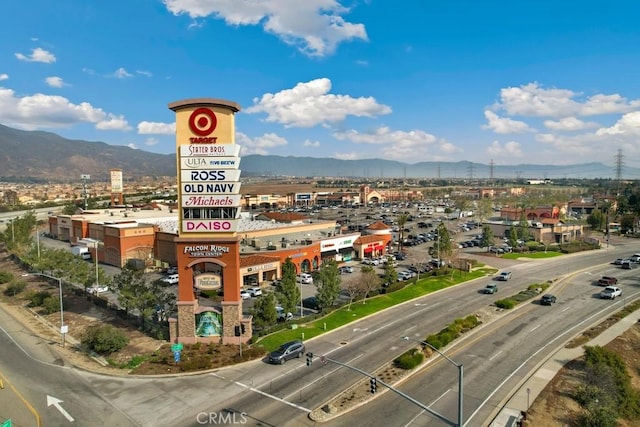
(379, 247)
(367, 250)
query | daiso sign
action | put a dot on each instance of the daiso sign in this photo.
(210, 225)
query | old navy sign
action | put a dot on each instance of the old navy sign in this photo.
(210, 225)
(210, 163)
(210, 150)
(203, 175)
(211, 188)
(211, 200)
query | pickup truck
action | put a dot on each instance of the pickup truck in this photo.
(610, 292)
(607, 281)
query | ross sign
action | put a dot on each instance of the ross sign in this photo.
(211, 200)
(210, 150)
(210, 225)
(211, 188)
(209, 175)
(208, 162)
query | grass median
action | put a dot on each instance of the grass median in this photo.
(361, 309)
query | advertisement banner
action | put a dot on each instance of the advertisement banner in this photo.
(209, 150)
(209, 162)
(209, 225)
(210, 188)
(211, 200)
(203, 175)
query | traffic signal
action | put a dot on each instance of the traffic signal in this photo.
(309, 358)
(374, 385)
(242, 328)
(237, 330)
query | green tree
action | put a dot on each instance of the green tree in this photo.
(130, 286)
(444, 249)
(487, 237)
(328, 284)
(264, 310)
(17, 233)
(596, 219)
(389, 276)
(288, 292)
(523, 228)
(513, 236)
(70, 208)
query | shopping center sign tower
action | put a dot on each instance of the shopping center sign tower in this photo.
(208, 250)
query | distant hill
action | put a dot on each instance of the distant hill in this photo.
(47, 156)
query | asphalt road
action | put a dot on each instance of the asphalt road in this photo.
(283, 395)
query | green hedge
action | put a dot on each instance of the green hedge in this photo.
(409, 359)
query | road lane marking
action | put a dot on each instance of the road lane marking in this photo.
(534, 328)
(438, 398)
(495, 355)
(565, 309)
(57, 404)
(26, 403)
(276, 398)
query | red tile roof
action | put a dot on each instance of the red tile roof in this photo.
(250, 260)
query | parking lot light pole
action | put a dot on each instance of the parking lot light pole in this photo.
(460, 374)
(63, 328)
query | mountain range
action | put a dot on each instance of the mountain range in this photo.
(46, 156)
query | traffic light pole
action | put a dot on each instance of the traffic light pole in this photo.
(441, 417)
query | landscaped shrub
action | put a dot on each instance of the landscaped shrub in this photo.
(51, 305)
(5, 277)
(434, 341)
(14, 288)
(104, 339)
(445, 338)
(409, 359)
(505, 303)
(196, 362)
(395, 287)
(36, 298)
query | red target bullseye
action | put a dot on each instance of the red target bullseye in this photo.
(202, 121)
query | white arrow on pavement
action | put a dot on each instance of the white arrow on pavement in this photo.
(56, 402)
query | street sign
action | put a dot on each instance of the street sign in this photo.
(176, 356)
(6, 423)
(176, 347)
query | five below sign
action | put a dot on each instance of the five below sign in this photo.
(200, 175)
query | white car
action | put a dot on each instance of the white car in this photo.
(305, 279)
(171, 279)
(244, 294)
(97, 289)
(610, 292)
(255, 292)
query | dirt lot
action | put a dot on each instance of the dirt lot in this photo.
(554, 406)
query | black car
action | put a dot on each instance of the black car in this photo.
(312, 303)
(547, 299)
(286, 351)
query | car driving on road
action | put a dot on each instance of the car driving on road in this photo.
(504, 276)
(491, 288)
(610, 292)
(286, 351)
(547, 299)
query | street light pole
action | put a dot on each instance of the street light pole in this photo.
(460, 375)
(63, 328)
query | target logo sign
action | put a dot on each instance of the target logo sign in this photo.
(202, 121)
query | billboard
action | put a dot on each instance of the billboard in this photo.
(116, 181)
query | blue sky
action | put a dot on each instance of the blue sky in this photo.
(535, 82)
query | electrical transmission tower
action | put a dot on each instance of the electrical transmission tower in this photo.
(619, 163)
(470, 170)
(491, 164)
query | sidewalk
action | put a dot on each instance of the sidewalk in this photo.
(535, 382)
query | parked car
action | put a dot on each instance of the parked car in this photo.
(491, 288)
(370, 261)
(287, 351)
(244, 294)
(611, 292)
(504, 276)
(171, 279)
(618, 261)
(255, 291)
(312, 303)
(283, 316)
(607, 281)
(172, 270)
(305, 279)
(547, 299)
(97, 289)
(345, 269)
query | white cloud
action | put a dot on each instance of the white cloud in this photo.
(54, 81)
(150, 142)
(47, 111)
(37, 55)
(121, 73)
(309, 104)
(534, 101)
(4, 76)
(569, 124)
(309, 143)
(156, 128)
(384, 135)
(508, 149)
(132, 146)
(628, 125)
(315, 27)
(260, 144)
(113, 122)
(346, 156)
(504, 125)
(144, 73)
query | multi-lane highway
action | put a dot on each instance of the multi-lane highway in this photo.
(495, 357)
